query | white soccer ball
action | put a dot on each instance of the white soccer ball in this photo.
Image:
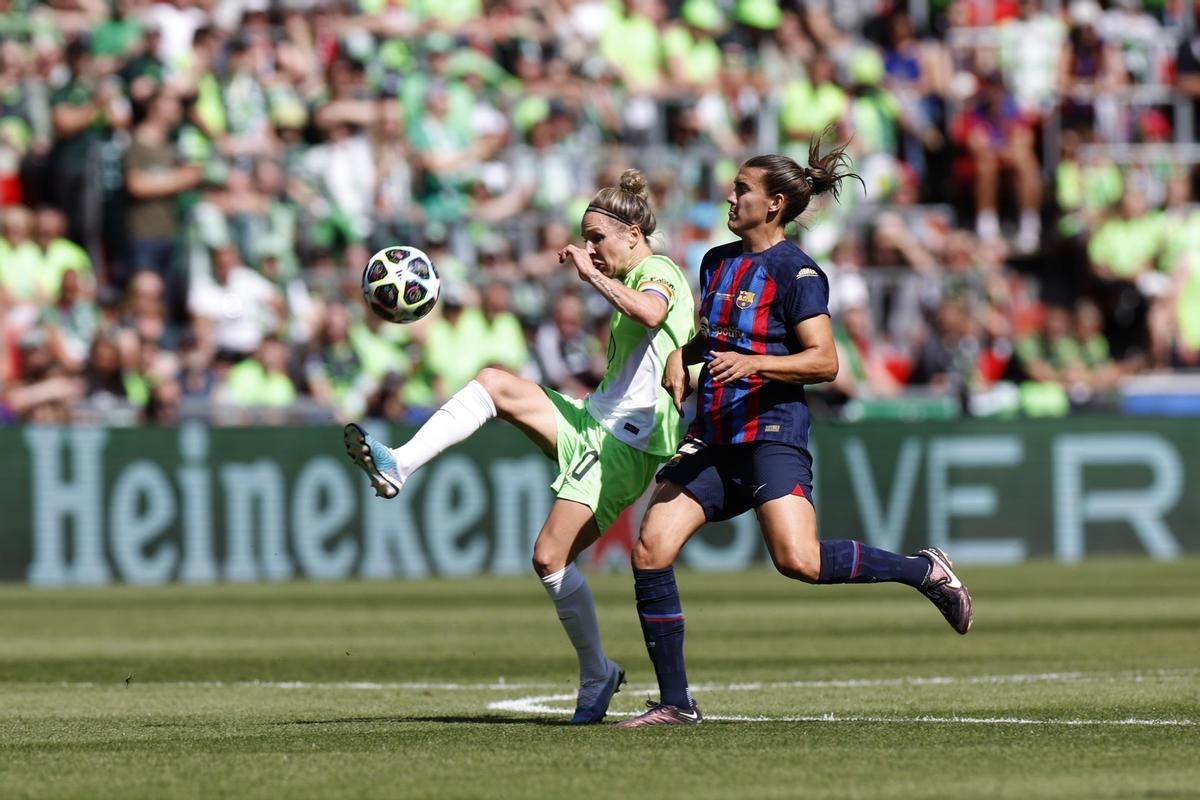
(400, 284)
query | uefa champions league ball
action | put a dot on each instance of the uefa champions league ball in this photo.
(400, 284)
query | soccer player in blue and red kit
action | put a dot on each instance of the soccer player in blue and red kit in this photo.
(764, 333)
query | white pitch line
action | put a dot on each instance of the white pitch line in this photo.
(538, 705)
(499, 686)
(949, 680)
(502, 685)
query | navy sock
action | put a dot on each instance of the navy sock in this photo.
(848, 561)
(662, 626)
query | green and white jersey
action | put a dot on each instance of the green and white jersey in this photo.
(630, 402)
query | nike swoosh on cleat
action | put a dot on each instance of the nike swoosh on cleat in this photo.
(686, 715)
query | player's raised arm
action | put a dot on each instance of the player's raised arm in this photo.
(647, 304)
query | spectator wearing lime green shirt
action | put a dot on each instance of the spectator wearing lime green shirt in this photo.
(1084, 188)
(693, 58)
(1127, 244)
(1103, 373)
(1187, 315)
(20, 260)
(59, 254)
(1053, 354)
(809, 105)
(262, 381)
(631, 42)
(465, 339)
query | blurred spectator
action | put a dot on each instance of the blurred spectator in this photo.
(869, 370)
(262, 381)
(1031, 46)
(144, 312)
(567, 354)
(1069, 355)
(810, 104)
(1137, 38)
(334, 372)
(1101, 372)
(84, 110)
(467, 339)
(59, 254)
(1187, 71)
(70, 324)
(236, 309)
(1090, 71)
(21, 262)
(948, 359)
(999, 140)
(155, 177)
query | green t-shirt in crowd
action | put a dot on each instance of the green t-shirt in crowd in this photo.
(456, 351)
(632, 44)
(250, 385)
(1127, 247)
(20, 269)
(806, 109)
(700, 54)
(61, 257)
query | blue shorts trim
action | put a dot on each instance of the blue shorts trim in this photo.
(730, 479)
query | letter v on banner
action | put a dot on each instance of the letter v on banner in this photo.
(884, 527)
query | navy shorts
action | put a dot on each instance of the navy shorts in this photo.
(729, 479)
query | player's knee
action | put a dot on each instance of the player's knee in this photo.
(646, 556)
(494, 381)
(546, 561)
(799, 565)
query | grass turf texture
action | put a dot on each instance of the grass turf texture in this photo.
(192, 722)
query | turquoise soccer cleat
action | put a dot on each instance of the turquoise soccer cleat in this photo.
(375, 459)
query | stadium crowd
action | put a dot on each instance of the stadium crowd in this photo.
(189, 190)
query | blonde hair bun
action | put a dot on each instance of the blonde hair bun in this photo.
(634, 182)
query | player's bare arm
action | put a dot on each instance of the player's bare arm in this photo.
(676, 379)
(646, 307)
(817, 361)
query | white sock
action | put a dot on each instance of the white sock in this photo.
(577, 612)
(462, 415)
(987, 224)
(1031, 224)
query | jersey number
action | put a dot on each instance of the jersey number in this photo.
(585, 462)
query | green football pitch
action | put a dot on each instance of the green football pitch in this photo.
(1076, 682)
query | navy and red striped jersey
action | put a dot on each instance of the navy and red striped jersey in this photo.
(751, 302)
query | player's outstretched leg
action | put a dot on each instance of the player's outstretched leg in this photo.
(458, 418)
(789, 526)
(929, 572)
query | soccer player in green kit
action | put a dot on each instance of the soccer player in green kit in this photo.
(607, 445)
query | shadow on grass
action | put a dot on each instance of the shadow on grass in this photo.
(447, 719)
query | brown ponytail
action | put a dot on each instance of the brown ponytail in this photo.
(798, 185)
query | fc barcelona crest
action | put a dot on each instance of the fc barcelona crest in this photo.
(744, 299)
